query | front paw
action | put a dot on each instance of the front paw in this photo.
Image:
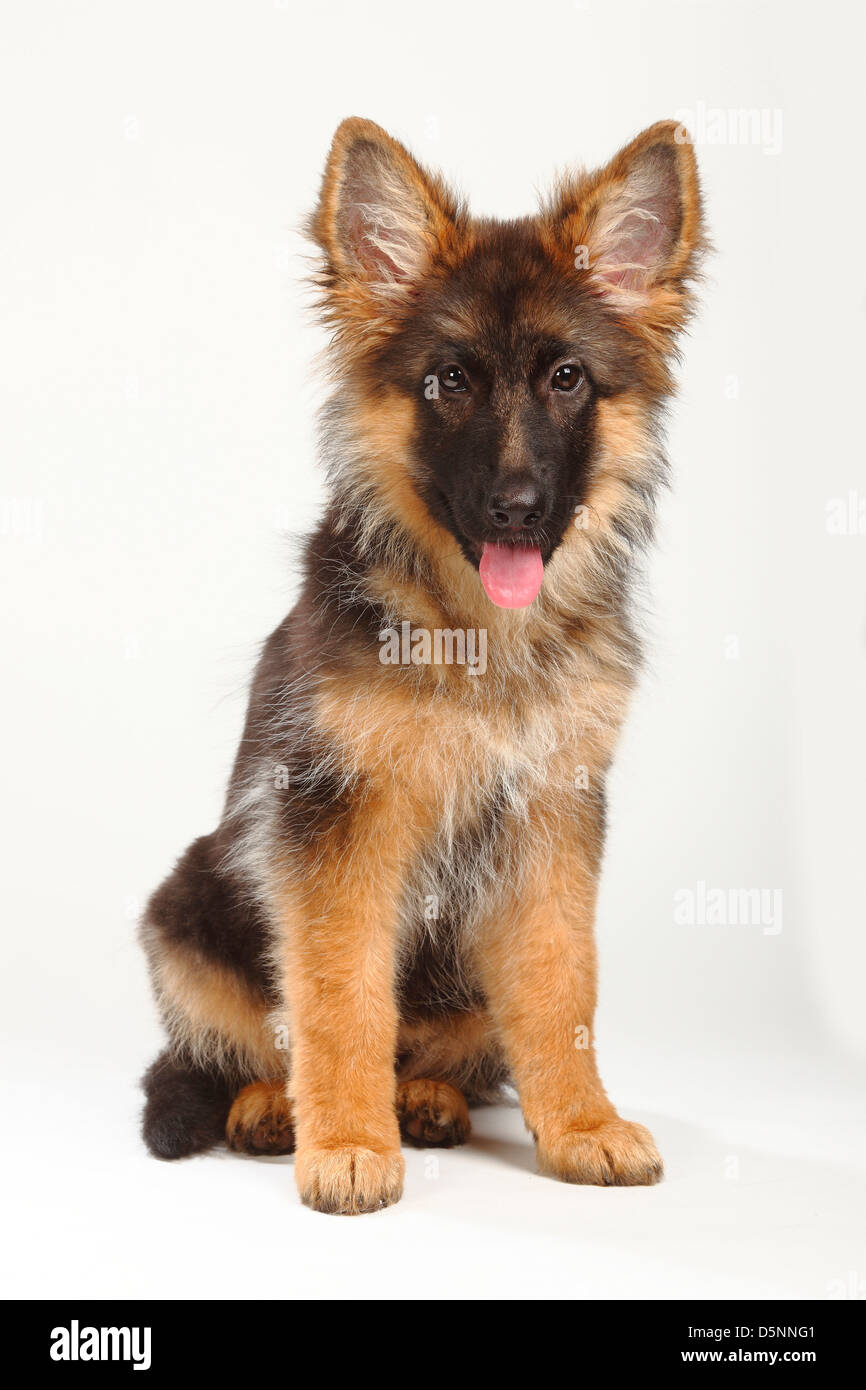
(348, 1180)
(616, 1153)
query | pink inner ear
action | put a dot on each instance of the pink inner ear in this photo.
(381, 219)
(638, 227)
(639, 244)
(384, 252)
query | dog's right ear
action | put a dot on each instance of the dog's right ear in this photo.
(639, 219)
(382, 221)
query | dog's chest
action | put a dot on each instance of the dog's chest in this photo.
(479, 842)
(474, 760)
(486, 783)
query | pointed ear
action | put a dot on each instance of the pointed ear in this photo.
(381, 219)
(637, 223)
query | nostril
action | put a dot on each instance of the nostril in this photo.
(517, 509)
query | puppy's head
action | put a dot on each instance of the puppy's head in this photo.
(485, 360)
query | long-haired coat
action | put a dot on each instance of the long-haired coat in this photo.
(395, 915)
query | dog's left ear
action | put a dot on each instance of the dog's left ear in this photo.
(634, 228)
(382, 221)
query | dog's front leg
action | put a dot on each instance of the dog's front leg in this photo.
(540, 977)
(338, 918)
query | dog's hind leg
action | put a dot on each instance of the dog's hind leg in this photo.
(185, 1110)
(260, 1120)
(432, 1114)
(204, 943)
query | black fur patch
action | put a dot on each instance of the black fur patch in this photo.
(186, 1109)
(209, 911)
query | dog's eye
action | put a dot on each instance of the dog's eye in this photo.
(453, 378)
(567, 378)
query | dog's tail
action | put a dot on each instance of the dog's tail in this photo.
(186, 1108)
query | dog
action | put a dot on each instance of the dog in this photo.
(394, 917)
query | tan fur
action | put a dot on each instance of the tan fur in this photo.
(449, 1048)
(432, 1114)
(383, 429)
(211, 1017)
(338, 929)
(539, 965)
(261, 1121)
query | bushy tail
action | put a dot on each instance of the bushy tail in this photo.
(186, 1108)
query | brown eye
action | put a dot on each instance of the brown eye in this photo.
(567, 378)
(453, 378)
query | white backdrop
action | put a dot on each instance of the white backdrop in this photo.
(158, 390)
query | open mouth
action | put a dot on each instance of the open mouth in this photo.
(511, 569)
(511, 573)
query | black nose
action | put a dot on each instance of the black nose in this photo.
(516, 508)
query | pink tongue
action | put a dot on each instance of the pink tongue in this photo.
(511, 574)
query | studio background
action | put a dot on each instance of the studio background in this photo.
(157, 397)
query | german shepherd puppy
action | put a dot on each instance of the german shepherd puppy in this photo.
(395, 915)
